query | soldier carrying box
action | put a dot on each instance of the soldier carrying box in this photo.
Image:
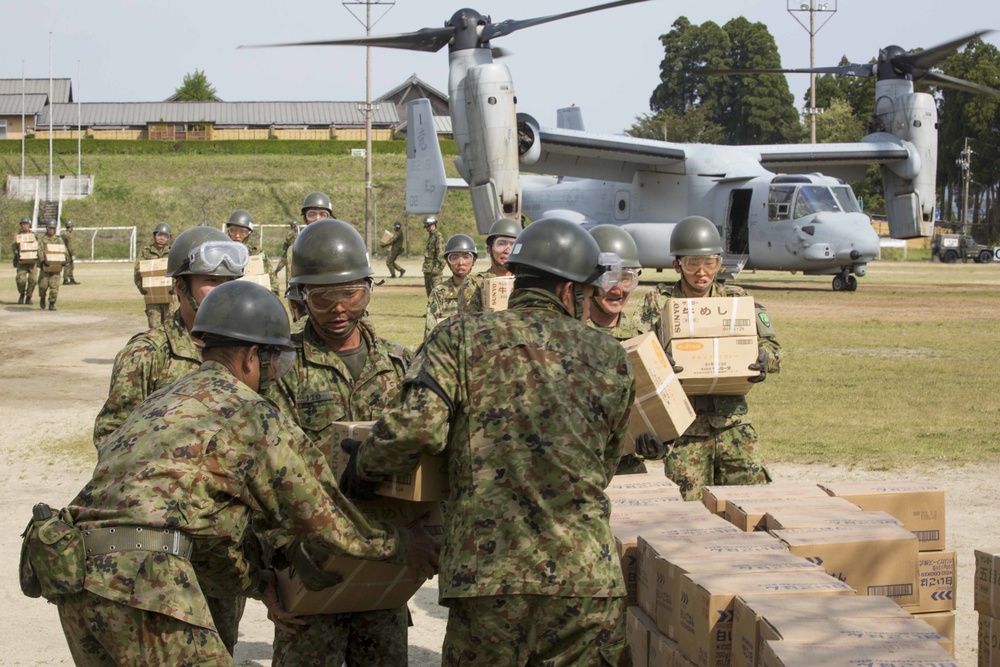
(51, 256)
(25, 247)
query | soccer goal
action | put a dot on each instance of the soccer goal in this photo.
(104, 244)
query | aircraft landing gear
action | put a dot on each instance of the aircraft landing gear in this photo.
(845, 282)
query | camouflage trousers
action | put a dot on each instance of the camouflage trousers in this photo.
(430, 279)
(25, 280)
(357, 640)
(157, 314)
(226, 614)
(535, 630)
(721, 457)
(67, 272)
(48, 283)
(394, 268)
(102, 633)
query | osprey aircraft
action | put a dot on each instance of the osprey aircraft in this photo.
(774, 210)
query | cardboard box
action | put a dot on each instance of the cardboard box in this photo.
(496, 292)
(831, 629)
(709, 317)
(989, 641)
(986, 582)
(839, 654)
(637, 627)
(55, 256)
(661, 406)
(715, 497)
(153, 267)
(428, 481)
(797, 517)
(715, 365)
(750, 611)
(874, 561)
(255, 266)
(937, 580)
(643, 485)
(159, 289)
(27, 248)
(386, 239)
(662, 650)
(918, 505)
(705, 627)
(944, 623)
(368, 585)
(261, 279)
(749, 515)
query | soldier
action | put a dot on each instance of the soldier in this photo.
(162, 529)
(48, 281)
(721, 446)
(499, 242)
(240, 228)
(395, 246)
(433, 260)
(530, 408)
(461, 254)
(67, 239)
(316, 206)
(293, 233)
(156, 313)
(343, 372)
(25, 277)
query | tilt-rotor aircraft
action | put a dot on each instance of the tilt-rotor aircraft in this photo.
(773, 210)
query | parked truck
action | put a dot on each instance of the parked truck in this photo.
(949, 248)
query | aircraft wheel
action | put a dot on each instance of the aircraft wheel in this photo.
(839, 284)
(852, 284)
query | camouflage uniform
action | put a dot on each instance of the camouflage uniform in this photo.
(208, 455)
(395, 250)
(531, 408)
(25, 277)
(721, 446)
(67, 272)
(156, 313)
(317, 391)
(285, 247)
(470, 294)
(442, 304)
(433, 260)
(48, 283)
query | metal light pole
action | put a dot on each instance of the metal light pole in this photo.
(811, 6)
(965, 163)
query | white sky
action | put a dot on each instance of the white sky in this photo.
(606, 62)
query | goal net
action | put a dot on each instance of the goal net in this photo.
(104, 244)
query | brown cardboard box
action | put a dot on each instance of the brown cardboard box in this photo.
(153, 267)
(839, 654)
(989, 641)
(715, 497)
(749, 514)
(27, 248)
(705, 627)
(797, 517)
(637, 627)
(496, 292)
(158, 289)
(662, 650)
(255, 266)
(986, 582)
(875, 560)
(661, 406)
(709, 317)
(830, 629)
(918, 505)
(368, 585)
(944, 623)
(750, 611)
(715, 365)
(643, 485)
(55, 256)
(937, 578)
(428, 482)
(386, 239)
(261, 279)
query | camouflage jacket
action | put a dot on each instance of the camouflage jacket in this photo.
(150, 360)
(625, 329)
(434, 253)
(530, 408)
(207, 455)
(289, 241)
(67, 239)
(714, 412)
(441, 304)
(319, 389)
(396, 244)
(470, 294)
(147, 253)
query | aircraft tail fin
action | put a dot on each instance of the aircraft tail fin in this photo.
(570, 118)
(425, 178)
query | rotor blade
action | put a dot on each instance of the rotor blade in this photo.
(929, 57)
(851, 70)
(492, 30)
(944, 81)
(426, 39)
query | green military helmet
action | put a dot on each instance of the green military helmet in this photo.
(240, 218)
(187, 241)
(558, 247)
(396, 225)
(243, 311)
(329, 252)
(695, 236)
(25, 221)
(161, 228)
(317, 200)
(430, 220)
(69, 224)
(51, 224)
(461, 243)
(611, 238)
(503, 227)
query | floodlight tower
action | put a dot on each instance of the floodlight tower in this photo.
(812, 7)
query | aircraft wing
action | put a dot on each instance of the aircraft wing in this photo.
(845, 160)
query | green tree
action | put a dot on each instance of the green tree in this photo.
(690, 127)
(838, 123)
(195, 88)
(857, 91)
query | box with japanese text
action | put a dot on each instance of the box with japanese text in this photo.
(709, 317)
(661, 407)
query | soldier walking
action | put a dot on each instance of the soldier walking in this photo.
(433, 258)
(240, 228)
(67, 239)
(156, 313)
(49, 273)
(25, 263)
(395, 246)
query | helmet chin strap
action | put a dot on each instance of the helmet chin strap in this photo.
(578, 301)
(184, 287)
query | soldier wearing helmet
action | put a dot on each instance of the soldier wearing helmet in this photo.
(240, 228)
(25, 249)
(499, 243)
(200, 259)
(721, 446)
(193, 469)
(530, 408)
(433, 254)
(293, 233)
(67, 239)
(156, 313)
(395, 246)
(50, 269)
(607, 308)
(460, 253)
(316, 206)
(343, 372)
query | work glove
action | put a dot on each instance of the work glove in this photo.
(144, 292)
(673, 364)
(351, 483)
(759, 365)
(649, 447)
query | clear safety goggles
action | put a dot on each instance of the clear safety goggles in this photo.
(692, 264)
(610, 265)
(460, 257)
(282, 362)
(353, 298)
(208, 257)
(502, 243)
(315, 214)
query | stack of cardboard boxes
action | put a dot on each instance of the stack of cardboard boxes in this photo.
(987, 603)
(27, 248)
(157, 286)
(255, 272)
(55, 258)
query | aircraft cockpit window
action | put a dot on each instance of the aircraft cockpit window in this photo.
(814, 199)
(779, 205)
(845, 197)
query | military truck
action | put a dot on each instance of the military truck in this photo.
(949, 248)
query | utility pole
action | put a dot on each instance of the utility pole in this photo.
(367, 23)
(811, 6)
(965, 163)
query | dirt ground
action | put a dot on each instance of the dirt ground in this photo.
(53, 380)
